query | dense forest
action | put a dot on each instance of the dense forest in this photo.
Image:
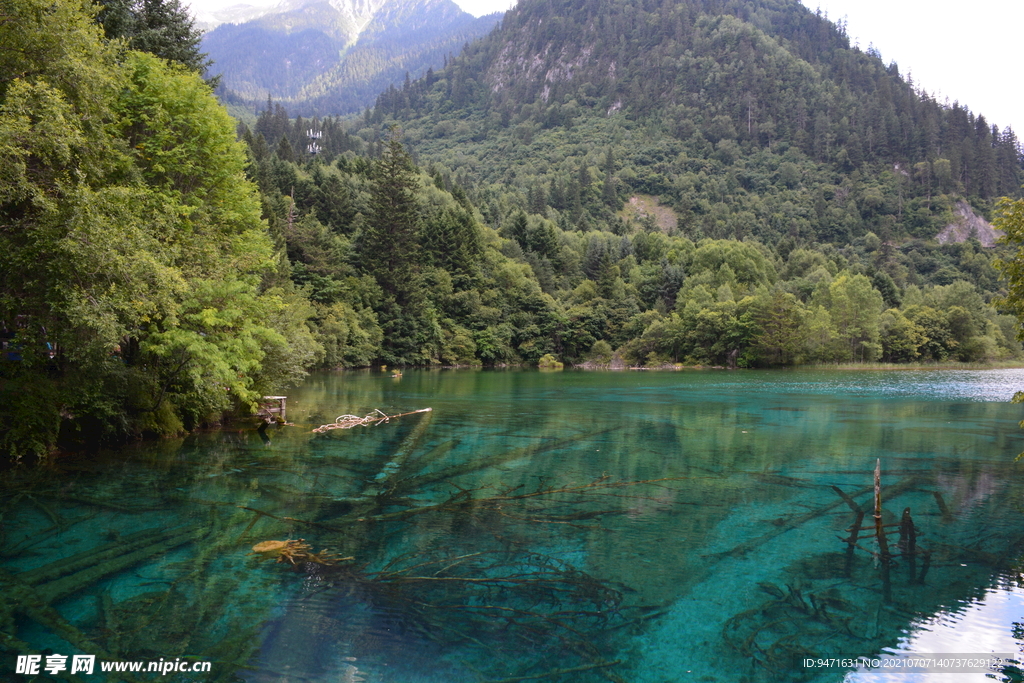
(701, 183)
(723, 184)
(475, 294)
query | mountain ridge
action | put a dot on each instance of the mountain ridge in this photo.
(321, 56)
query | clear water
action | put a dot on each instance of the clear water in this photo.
(567, 526)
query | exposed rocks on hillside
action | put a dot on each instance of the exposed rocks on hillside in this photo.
(640, 207)
(967, 223)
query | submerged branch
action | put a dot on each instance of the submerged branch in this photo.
(463, 499)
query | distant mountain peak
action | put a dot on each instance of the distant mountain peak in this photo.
(333, 56)
(208, 20)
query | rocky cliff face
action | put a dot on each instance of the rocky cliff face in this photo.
(967, 224)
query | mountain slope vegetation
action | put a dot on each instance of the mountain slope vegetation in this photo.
(807, 181)
(748, 118)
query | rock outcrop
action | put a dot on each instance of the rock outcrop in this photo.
(968, 224)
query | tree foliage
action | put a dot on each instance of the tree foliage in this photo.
(528, 287)
(1011, 221)
(132, 254)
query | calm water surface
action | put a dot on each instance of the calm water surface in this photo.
(570, 526)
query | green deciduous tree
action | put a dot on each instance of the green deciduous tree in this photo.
(781, 338)
(854, 307)
(900, 337)
(1010, 219)
(131, 247)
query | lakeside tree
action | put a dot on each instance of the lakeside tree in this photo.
(1010, 219)
(132, 253)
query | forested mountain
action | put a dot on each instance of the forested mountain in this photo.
(336, 57)
(746, 117)
(701, 182)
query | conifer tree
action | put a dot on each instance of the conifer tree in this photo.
(161, 27)
(608, 193)
(518, 229)
(389, 240)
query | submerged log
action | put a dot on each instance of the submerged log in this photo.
(73, 583)
(908, 544)
(747, 546)
(385, 478)
(947, 516)
(90, 558)
(418, 481)
(21, 597)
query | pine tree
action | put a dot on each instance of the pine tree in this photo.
(161, 27)
(537, 199)
(388, 244)
(285, 152)
(517, 230)
(608, 193)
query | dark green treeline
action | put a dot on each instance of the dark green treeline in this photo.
(461, 292)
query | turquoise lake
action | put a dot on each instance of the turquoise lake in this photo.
(649, 527)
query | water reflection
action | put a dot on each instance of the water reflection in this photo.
(978, 627)
(496, 537)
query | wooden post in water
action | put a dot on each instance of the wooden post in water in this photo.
(279, 409)
(883, 545)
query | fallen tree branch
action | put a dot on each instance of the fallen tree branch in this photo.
(372, 420)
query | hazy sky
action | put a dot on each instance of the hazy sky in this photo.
(967, 52)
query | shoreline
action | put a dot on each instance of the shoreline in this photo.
(950, 365)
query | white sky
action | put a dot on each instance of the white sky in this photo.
(477, 8)
(968, 52)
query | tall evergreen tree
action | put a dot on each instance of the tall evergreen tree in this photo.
(161, 27)
(389, 240)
